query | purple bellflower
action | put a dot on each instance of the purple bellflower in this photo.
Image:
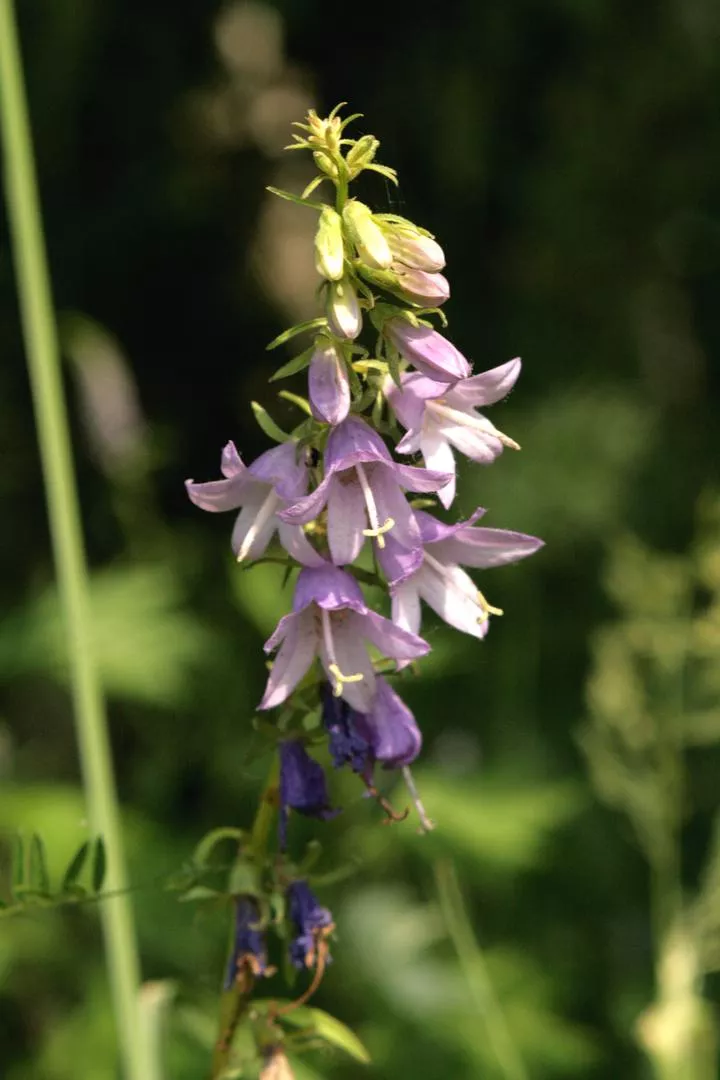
(387, 733)
(438, 417)
(273, 480)
(312, 924)
(429, 290)
(363, 491)
(328, 384)
(331, 619)
(427, 350)
(443, 584)
(249, 954)
(302, 786)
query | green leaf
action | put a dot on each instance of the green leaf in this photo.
(209, 842)
(39, 879)
(295, 399)
(293, 331)
(297, 364)
(75, 866)
(331, 1030)
(199, 892)
(267, 424)
(98, 864)
(295, 198)
(17, 875)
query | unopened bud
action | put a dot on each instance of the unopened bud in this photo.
(328, 385)
(413, 248)
(430, 290)
(343, 310)
(361, 154)
(329, 247)
(367, 235)
(325, 164)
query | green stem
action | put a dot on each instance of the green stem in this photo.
(476, 973)
(52, 424)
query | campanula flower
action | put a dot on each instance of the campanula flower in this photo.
(363, 491)
(342, 309)
(429, 290)
(312, 925)
(438, 418)
(249, 953)
(276, 478)
(444, 585)
(302, 786)
(411, 246)
(331, 619)
(427, 350)
(328, 385)
(387, 733)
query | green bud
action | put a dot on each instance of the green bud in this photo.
(329, 245)
(344, 317)
(325, 164)
(361, 154)
(368, 237)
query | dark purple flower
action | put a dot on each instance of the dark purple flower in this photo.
(302, 786)
(387, 733)
(331, 619)
(312, 924)
(363, 491)
(249, 952)
(346, 742)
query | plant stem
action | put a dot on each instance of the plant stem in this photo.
(52, 425)
(476, 972)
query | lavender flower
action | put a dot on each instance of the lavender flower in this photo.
(331, 619)
(441, 581)
(302, 786)
(438, 417)
(328, 385)
(412, 247)
(249, 954)
(273, 480)
(362, 489)
(420, 287)
(312, 925)
(427, 350)
(387, 733)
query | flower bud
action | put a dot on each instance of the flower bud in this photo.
(361, 154)
(325, 164)
(430, 290)
(426, 350)
(328, 385)
(413, 248)
(329, 247)
(367, 235)
(343, 309)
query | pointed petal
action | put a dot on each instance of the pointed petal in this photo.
(408, 402)
(410, 442)
(438, 455)
(295, 542)
(413, 478)
(219, 495)
(351, 656)
(392, 640)
(397, 561)
(483, 548)
(476, 445)
(346, 519)
(292, 662)
(284, 468)
(487, 387)
(392, 504)
(406, 606)
(433, 531)
(307, 509)
(428, 351)
(231, 464)
(452, 596)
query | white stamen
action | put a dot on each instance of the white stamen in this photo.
(425, 822)
(472, 421)
(264, 514)
(333, 668)
(376, 528)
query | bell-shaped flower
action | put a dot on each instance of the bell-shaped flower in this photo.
(427, 350)
(249, 954)
(342, 309)
(429, 290)
(312, 925)
(276, 478)
(412, 247)
(302, 786)
(444, 585)
(438, 417)
(387, 733)
(330, 619)
(328, 384)
(363, 491)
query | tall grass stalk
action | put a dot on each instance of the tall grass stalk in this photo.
(52, 425)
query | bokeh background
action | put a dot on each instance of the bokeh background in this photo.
(566, 153)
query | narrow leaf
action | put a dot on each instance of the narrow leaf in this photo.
(267, 424)
(208, 843)
(331, 1030)
(98, 864)
(39, 879)
(75, 866)
(295, 399)
(17, 876)
(293, 331)
(295, 198)
(298, 363)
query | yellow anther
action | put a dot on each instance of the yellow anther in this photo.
(341, 679)
(487, 609)
(381, 529)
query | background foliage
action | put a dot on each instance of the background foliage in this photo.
(566, 155)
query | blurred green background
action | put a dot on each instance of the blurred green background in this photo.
(566, 153)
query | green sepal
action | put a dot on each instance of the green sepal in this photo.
(267, 424)
(312, 185)
(393, 359)
(199, 893)
(296, 399)
(208, 843)
(298, 328)
(299, 199)
(243, 879)
(75, 867)
(297, 364)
